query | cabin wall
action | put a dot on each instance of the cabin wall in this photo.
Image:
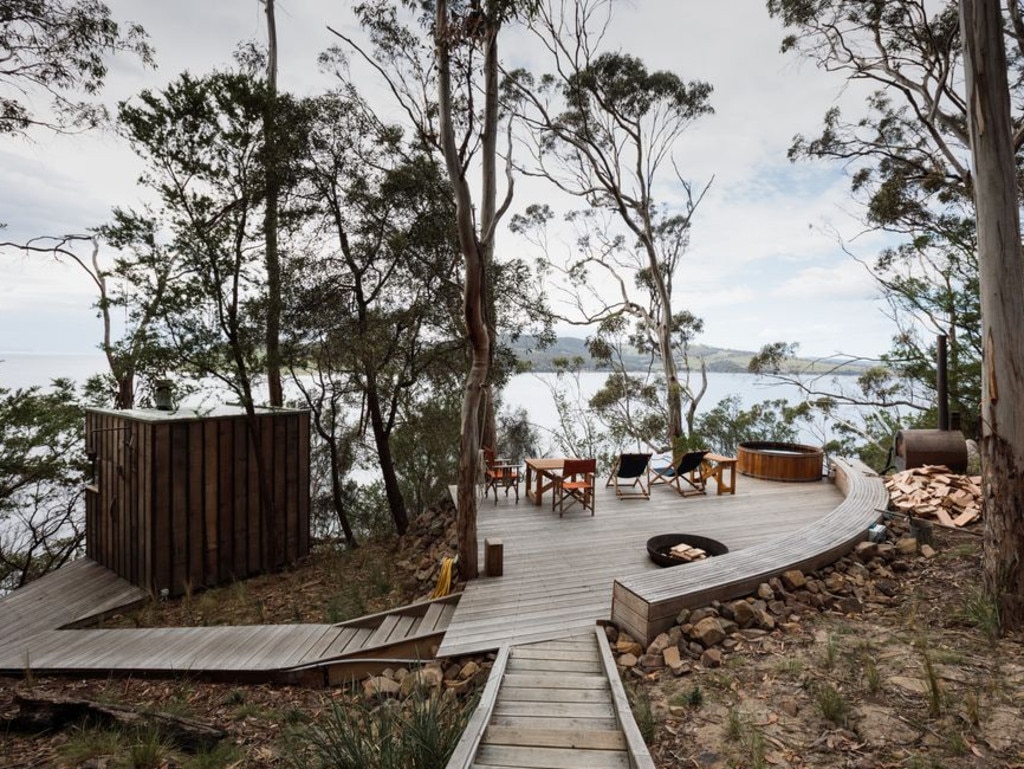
(176, 504)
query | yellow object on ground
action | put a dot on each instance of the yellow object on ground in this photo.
(444, 580)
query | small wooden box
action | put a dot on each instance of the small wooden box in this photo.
(494, 556)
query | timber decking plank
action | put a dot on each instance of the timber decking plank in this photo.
(543, 758)
(539, 694)
(520, 665)
(541, 722)
(577, 738)
(563, 681)
(556, 709)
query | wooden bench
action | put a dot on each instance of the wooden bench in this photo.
(647, 604)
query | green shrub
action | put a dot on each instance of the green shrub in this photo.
(420, 732)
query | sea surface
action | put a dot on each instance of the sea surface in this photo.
(533, 392)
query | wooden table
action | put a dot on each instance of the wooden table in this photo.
(718, 464)
(546, 471)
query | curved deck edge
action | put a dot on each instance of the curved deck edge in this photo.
(647, 604)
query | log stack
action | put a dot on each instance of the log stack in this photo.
(933, 491)
(687, 553)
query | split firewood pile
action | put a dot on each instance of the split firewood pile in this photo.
(933, 491)
(686, 553)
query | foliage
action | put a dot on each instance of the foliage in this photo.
(419, 732)
(908, 156)
(201, 141)
(603, 129)
(724, 426)
(374, 303)
(57, 48)
(42, 470)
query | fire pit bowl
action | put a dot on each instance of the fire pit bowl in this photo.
(658, 547)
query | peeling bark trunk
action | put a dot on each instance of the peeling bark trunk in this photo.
(1001, 274)
(474, 314)
(270, 218)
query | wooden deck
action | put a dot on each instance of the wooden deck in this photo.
(559, 573)
(558, 580)
(647, 604)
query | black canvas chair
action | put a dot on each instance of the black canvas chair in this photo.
(575, 484)
(629, 476)
(685, 470)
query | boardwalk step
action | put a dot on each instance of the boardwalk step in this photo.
(520, 665)
(432, 616)
(546, 722)
(564, 758)
(575, 737)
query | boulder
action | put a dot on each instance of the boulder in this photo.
(708, 632)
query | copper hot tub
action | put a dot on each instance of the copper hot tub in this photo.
(777, 461)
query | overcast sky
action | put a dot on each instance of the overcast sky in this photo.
(764, 262)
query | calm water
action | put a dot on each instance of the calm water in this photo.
(530, 391)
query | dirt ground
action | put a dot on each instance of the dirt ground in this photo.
(912, 680)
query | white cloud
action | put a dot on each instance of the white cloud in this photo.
(762, 263)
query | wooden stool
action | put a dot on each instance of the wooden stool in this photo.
(494, 557)
(717, 465)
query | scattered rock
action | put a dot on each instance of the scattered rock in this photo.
(708, 632)
(793, 579)
(711, 658)
(377, 687)
(627, 660)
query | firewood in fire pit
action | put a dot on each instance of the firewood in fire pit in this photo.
(685, 552)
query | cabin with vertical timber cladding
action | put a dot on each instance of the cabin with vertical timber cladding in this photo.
(188, 498)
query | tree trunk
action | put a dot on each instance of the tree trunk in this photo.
(473, 306)
(488, 208)
(1001, 276)
(387, 462)
(674, 391)
(336, 490)
(270, 217)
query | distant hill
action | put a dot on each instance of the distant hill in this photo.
(718, 359)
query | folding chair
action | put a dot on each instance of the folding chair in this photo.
(685, 469)
(500, 472)
(630, 476)
(575, 484)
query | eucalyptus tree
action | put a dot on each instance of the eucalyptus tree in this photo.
(201, 141)
(604, 128)
(42, 473)
(450, 92)
(997, 196)
(57, 49)
(910, 159)
(375, 295)
(272, 175)
(133, 284)
(908, 154)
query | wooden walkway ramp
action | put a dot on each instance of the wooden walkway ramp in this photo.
(557, 703)
(33, 637)
(79, 593)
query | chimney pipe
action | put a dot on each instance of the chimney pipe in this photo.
(941, 387)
